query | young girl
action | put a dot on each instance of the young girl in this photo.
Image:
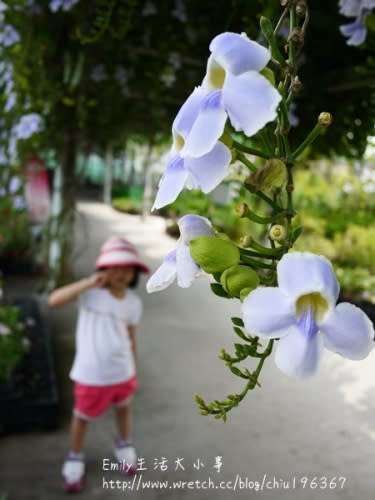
(104, 371)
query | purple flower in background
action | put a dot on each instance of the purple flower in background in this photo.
(64, 5)
(12, 147)
(179, 11)
(354, 8)
(234, 89)
(33, 7)
(99, 73)
(203, 172)
(9, 36)
(302, 313)
(149, 9)
(11, 101)
(14, 184)
(19, 202)
(28, 125)
(356, 31)
(121, 75)
(179, 263)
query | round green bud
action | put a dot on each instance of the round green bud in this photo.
(270, 176)
(242, 210)
(237, 278)
(277, 232)
(214, 255)
(246, 241)
(325, 119)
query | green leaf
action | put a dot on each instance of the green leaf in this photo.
(237, 321)
(219, 290)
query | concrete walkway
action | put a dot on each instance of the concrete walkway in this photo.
(303, 440)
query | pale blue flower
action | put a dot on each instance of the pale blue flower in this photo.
(99, 73)
(302, 313)
(354, 8)
(204, 172)
(121, 75)
(12, 147)
(19, 202)
(64, 5)
(356, 31)
(235, 90)
(179, 11)
(149, 9)
(179, 263)
(28, 125)
(11, 101)
(9, 36)
(14, 184)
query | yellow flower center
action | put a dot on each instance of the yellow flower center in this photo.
(313, 301)
(216, 75)
(179, 142)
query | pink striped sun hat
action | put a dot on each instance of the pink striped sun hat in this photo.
(117, 251)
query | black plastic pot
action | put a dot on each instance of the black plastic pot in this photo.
(11, 264)
(28, 399)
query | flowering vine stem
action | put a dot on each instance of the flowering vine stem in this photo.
(255, 254)
(219, 409)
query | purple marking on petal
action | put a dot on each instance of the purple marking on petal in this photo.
(307, 325)
(212, 100)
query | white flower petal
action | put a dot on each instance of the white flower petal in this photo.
(210, 169)
(172, 182)
(164, 275)
(187, 269)
(299, 355)
(188, 113)
(301, 273)
(348, 331)
(250, 101)
(207, 128)
(238, 54)
(192, 226)
(267, 312)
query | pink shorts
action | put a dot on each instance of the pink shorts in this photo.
(91, 401)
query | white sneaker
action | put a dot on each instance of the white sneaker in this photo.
(126, 456)
(73, 472)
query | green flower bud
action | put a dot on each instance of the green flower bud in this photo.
(269, 75)
(244, 293)
(214, 255)
(242, 210)
(238, 277)
(246, 241)
(325, 119)
(271, 175)
(277, 232)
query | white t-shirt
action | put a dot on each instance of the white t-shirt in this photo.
(103, 347)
